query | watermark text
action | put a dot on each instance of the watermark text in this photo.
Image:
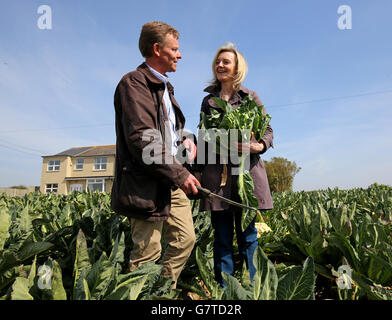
(44, 21)
(345, 20)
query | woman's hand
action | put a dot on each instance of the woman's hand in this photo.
(191, 148)
(252, 147)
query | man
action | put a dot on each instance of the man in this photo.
(150, 183)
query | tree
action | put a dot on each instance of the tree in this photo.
(19, 187)
(281, 172)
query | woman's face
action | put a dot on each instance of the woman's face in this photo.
(225, 66)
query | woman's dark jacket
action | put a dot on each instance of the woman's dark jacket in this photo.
(211, 173)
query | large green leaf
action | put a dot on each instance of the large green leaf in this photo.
(162, 288)
(10, 259)
(346, 248)
(117, 254)
(5, 222)
(32, 273)
(81, 290)
(325, 223)
(99, 277)
(81, 263)
(47, 283)
(298, 283)
(246, 193)
(318, 247)
(265, 281)
(20, 289)
(120, 293)
(66, 216)
(341, 220)
(305, 223)
(129, 289)
(25, 221)
(373, 290)
(207, 275)
(224, 105)
(8, 276)
(136, 286)
(82, 260)
(234, 290)
(30, 249)
(57, 291)
(380, 268)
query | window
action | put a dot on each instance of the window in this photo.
(51, 188)
(79, 164)
(96, 184)
(100, 163)
(53, 165)
(75, 187)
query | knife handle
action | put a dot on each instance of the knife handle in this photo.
(203, 190)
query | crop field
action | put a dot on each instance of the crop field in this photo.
(327, 244)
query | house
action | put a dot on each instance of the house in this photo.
(79, 169)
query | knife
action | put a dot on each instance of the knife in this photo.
(208, 193)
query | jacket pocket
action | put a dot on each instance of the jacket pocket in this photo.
(141, 192)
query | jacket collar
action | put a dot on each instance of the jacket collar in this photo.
(238, 95)
(143, 68)
(150, 76)
(214, 89)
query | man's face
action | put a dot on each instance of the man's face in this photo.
(169, 54)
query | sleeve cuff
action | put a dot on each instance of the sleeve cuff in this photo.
(265, 147)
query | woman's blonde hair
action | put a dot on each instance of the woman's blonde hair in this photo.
(241, 65)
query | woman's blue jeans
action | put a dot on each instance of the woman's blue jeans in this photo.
(224, 223)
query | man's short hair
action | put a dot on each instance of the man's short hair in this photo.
(154, 32)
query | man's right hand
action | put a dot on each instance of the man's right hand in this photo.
(189, 186)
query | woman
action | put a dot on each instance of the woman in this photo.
(229, 69)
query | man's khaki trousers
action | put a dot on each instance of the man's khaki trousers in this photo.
(179, 238)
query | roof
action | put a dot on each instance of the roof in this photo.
(99, 151)
(72, 152)
(88, 151)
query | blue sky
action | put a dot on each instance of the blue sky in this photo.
(329, 91)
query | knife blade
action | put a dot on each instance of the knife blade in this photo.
(208, 193)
